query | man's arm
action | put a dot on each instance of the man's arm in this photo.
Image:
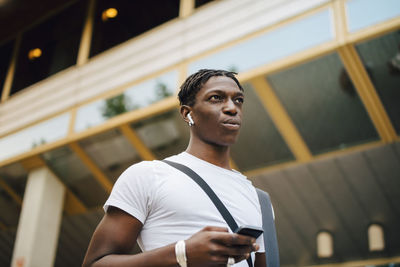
(116, 236)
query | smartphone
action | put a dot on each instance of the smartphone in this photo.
(253, 231)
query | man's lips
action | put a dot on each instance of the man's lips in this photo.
(231, 124)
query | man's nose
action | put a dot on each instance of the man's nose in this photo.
(230, 107)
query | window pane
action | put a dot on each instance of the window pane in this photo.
(135, 97)
(111, 152)
(117, 21)
(36, 135)
(323, 104)
(165, 135)
(74, 174)
(381, 58)
(364, 13)
(49, 47)
(259, 143)
(5, 58)
(289, 39)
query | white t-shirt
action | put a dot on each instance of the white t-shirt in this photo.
(172, 207)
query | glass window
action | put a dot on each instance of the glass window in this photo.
(29, 138)
(165, 135)
(289, 39)
(49, 47)
(135, 97)
(111, 152)
(74, 174)
(324, 105)
(381, 58)
(364, 13)
(117, 21)
(259, 143)
(198, 3)
(6, 50)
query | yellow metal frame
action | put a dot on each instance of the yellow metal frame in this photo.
(367, 93)
(136, 142)
(72, 205)
(281, 119)
(98, 174)
(11, 70)
(186, 8)
(86, 39)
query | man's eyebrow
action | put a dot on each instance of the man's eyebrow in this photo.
(219, 91)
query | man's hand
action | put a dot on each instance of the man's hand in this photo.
(213, 245)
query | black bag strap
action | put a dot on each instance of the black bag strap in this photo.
(211, 194)
(270, 240)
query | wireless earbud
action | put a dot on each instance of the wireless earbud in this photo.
(191, 122)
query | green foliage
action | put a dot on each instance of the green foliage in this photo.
(162, 91)
(115, 105)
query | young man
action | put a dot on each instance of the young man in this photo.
(158, 205)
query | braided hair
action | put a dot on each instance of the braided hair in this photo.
(195, 82)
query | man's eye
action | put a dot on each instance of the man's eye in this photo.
(215, 97)
(239, 100)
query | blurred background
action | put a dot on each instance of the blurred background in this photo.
(89, 87)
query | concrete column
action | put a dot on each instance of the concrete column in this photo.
(39, 222)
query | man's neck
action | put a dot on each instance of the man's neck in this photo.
(217, 155)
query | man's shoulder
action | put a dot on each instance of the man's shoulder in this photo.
(150, 166)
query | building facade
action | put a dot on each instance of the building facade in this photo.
(91, 87)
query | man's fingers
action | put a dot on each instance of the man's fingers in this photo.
(215, 229)
(236, 251)
(234, 239)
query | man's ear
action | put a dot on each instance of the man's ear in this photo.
(185, 110)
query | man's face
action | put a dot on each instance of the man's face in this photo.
(217, 111)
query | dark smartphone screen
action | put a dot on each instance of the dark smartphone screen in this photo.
(253, 231)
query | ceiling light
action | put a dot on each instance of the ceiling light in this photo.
(34, 53)
(109, 14)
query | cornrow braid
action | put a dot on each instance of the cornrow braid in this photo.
(195, 82)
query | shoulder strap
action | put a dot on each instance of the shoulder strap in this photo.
(211, 194)
(270, 240)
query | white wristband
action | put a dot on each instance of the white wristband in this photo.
(180, 252)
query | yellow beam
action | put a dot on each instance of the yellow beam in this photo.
(11, 70)
(367, 93)
(84, 47)
(97, 173)
(186, 8)
(10, 192)
(72, 205)
(136, 142)
(326, 155)
(339, 15)
(72, 120)
(281, 119)
(33, 162)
